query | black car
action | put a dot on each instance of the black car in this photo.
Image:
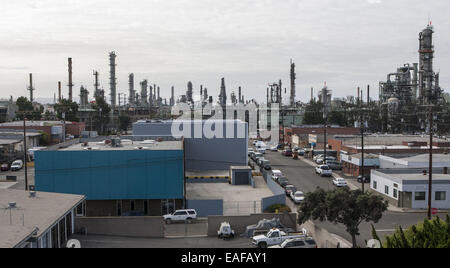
(334, 165)
(365, 180)
(283, 181)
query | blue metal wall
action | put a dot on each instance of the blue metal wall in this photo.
(111, 175)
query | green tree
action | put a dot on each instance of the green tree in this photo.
(124, 122)
(313, 113)
(68, 107)
(44, 139)
(429, 234)
(343, 206)
(24, 105)
(102, 114)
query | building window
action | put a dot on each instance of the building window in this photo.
(374, 185)
(395, 193)
(419, 196)
(441, 196)
(80, 210)
(386, 189)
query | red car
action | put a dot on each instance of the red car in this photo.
(5, 167)
(287, 152)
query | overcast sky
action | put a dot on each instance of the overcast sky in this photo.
(347, 43)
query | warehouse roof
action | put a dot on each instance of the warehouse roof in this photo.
(384, 140)
(127, 145)
(40, 212)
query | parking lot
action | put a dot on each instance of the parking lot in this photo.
(20, 183)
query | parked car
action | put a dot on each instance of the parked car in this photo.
(366, 179)
(274, 237)
(339, 182)
(276, 174)
(260, 160)
(17, 165)
(320, 160)
(287, 152)
(250, 151)
(283, 181)
(301, 152)
(307, 242)
(261, 150)
(317, 156)
(266, 165)
(297, 197)
(289, 189)
(5, 167)
(187, 215)
(334, 165)
(324, 171)
(255, 156)
(274, 148)
(280, 146)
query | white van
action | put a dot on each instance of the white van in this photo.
(17, 165)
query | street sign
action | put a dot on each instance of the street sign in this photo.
(434, 211)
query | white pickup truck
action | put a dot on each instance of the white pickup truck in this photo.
(275, 237)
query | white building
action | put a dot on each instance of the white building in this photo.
(419, 161)
(408, 188)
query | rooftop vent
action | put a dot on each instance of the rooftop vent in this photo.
(12, 205)
(92, 148)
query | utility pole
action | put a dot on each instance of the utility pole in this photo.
(430, 173)
(25, 150)
(362, 149)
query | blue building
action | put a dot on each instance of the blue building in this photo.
(133, 178)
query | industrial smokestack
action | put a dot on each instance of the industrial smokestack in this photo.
(240, 94)
(293, 77)
(30, 88)
(172, 98)
(368, 94)
(112, 78)
(59, 91)
(96, 84)
(132, 93)
(70, 85)
(312, 94)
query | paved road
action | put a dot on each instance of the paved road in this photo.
(302, 175)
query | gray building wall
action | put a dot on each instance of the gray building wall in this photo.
(206, 208)
(203, 153)
(148, 227)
